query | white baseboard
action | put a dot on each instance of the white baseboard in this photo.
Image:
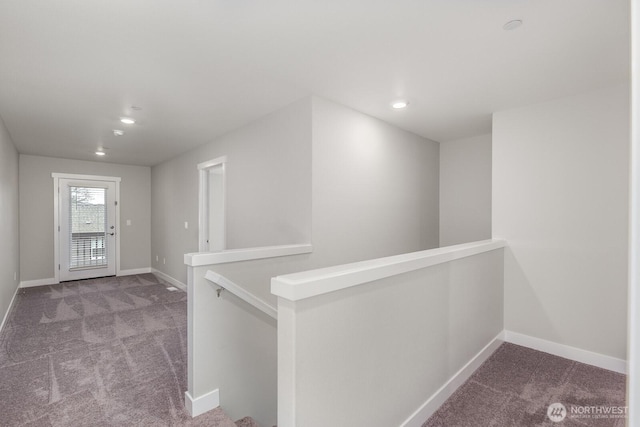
(202, 404)
(568, 352)
(6, 314)
(175, 282)
(38, 282)
(53, 281)
(133, 271)
(423, 413)
(584, 356)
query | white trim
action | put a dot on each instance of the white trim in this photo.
(241, 293)
(134, 271)
(86, 177)
(234, 255)
(56, 232)
(203, 228)
(418, 418)
(175, 282)
(568, 352)
(38, 282)
(213, 162)
(118, 228)
(311, 283)
(192, 325)
(633, 296)
(204, 205)
(201, 404)
(6, 314)
(287, 363)
(56, 216)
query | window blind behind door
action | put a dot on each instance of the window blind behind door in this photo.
(87, 227)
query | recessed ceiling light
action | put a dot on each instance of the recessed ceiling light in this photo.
(399, 104)
(100, 153)
(512, 25)
(118, 132)
(127, 120)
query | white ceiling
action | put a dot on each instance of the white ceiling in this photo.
(200, 68)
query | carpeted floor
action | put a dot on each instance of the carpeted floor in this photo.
(112, 352)
(516, 385)
(102, 352)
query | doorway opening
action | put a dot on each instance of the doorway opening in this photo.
(86, 219)
(212, 236)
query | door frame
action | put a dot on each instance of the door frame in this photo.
(204, 204)
(56, 215)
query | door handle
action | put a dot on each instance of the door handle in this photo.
(111, 234)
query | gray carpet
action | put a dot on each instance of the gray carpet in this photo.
(112, 352)
(516, 385)
(102, 352)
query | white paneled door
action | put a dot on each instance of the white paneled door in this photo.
(87, 229)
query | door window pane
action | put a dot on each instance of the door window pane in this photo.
(88, 227)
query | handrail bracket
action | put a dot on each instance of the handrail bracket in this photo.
(225, 284)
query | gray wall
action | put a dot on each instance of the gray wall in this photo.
(374, 190)
(9, 228)
(36, 212)
(375, 187)
(560, 182)
(375, 194)
(268, 189)
(465, 190)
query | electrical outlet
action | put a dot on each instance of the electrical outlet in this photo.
(15, 276)
(164, 260)
(128, 222)
(186, 225)
(157, 258)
